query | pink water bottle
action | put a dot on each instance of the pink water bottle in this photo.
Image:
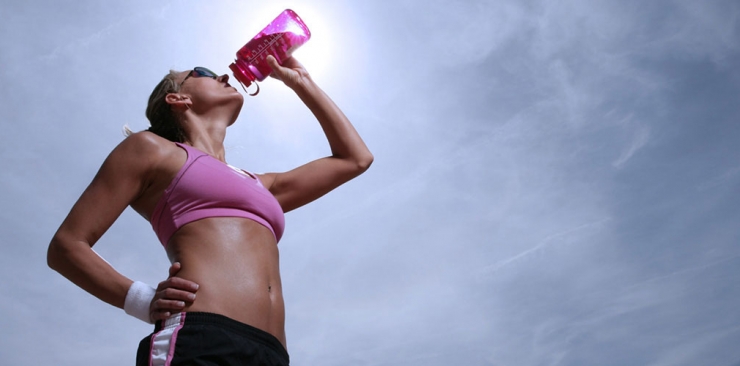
(280, 38)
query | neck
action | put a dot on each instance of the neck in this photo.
(206, 133)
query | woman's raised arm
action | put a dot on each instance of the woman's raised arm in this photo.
(349, 158)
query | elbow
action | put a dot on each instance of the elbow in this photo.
(364, 162)
(58, 252)
(53, 254)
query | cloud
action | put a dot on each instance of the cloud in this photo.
(500, 224)
(80, 44)
(639, 140)
(489, 270)
(462, 33)
(719, 180)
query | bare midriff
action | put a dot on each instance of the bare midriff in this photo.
(236, 263)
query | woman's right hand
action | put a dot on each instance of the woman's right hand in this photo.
(291, 72)
(173, 294)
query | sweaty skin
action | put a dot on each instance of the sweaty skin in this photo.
(234, 260)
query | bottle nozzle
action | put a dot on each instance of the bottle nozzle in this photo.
(243, 78)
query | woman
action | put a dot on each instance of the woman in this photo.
(219, 225)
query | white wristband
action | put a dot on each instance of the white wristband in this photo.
(138, 299)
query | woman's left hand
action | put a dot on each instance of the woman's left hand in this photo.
(291, 72)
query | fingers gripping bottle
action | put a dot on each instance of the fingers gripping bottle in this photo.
(280, 38)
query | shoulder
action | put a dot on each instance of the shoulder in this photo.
(144, 145)
(145, 142)
(142, 151)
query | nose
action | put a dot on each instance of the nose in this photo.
(223, 78)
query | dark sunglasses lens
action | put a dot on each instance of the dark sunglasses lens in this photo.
(202, 71)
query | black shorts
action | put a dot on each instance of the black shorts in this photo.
(202, 339)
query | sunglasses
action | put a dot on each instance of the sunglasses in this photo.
(198, 72)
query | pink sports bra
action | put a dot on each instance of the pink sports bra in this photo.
(206, 187)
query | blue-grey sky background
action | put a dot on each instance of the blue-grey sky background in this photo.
(555, 183)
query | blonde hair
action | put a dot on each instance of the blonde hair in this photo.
(161, 118)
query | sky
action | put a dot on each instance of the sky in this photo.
(555, 183)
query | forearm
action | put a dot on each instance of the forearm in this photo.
(77, 262)
(343, 139)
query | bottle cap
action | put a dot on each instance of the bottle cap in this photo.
(243, 77)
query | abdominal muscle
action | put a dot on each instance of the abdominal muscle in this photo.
(236, 263)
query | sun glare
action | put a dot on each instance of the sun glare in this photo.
(316, 54)
(287, 124)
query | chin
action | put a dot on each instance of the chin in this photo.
(235, 101)
(236, 110)
(236, 98)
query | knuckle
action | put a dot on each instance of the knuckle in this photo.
(175, 281)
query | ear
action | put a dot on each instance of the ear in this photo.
(176, 99)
